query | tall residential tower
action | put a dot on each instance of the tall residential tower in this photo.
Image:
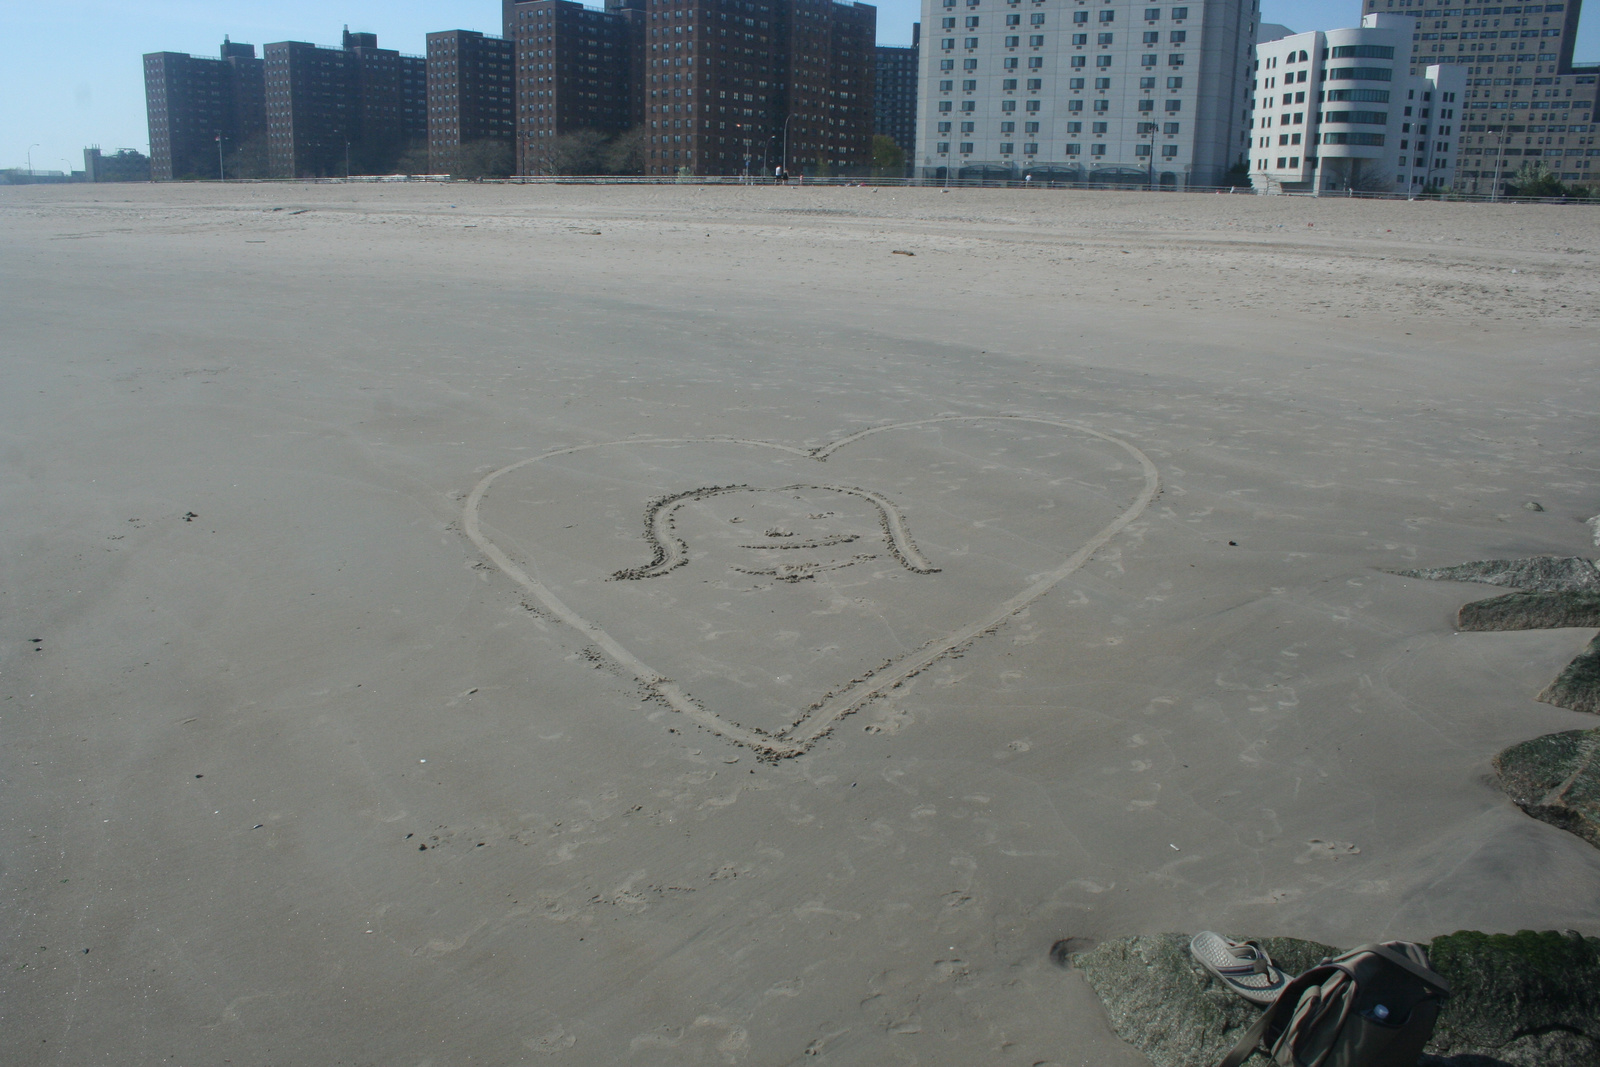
(1114, 91)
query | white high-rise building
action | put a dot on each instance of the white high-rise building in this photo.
(1118, 91)
(1340, 110)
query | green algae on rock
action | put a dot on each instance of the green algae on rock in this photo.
(1578, 685)
(1531, 611)
(1555, 778)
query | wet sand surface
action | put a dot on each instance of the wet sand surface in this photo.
(446, 625)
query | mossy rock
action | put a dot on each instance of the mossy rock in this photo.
(1166, 1005)
(1517, 1000)
(1545, 574)
(1531, 611)
(1556, 778)
(1524, 998)
(1578, 686)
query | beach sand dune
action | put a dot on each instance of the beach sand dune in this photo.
(755, 740)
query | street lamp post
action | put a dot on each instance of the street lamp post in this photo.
(222, 175)
(783, 164)
(30, 159)
(1151, 129)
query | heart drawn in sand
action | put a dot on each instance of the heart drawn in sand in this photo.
(767, 591)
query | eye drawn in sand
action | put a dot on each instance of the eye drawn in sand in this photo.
(819, 538)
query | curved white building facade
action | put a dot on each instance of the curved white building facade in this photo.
(1340, 111)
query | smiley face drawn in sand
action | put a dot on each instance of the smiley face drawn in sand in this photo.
(716, 622)
(789, 533)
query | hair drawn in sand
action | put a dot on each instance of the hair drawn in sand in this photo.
(669, 551)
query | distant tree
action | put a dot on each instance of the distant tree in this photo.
(1238, 174)
(624, 153)
(248, 158)
(485, 159)
(414, 160)
(1369, 176)
(1536, 179)
(888, 158)
(578, 152)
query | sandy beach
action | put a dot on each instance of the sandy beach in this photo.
(454, 624)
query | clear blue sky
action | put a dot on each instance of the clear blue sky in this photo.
(70, 74)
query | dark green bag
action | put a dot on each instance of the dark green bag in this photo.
(1374, 1006)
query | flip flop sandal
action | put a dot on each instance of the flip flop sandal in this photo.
(1242, 966)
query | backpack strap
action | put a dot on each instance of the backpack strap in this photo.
(1400, 959)
(1284, 1005)
(1252, 1037)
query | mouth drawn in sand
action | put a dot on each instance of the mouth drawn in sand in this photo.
(831, 547)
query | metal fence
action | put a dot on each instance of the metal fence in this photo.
(910, 183)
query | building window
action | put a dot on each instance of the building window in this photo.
(969, 64)
(1008, 105)
(944, 105)
(1169, 151)
(1103, 62)
(1037, 62)
(1074, 149)
(1031, 105)
(1108, 15)
(944, 127)
(1034, 84)
(966, 148)
(1036, 20)
(1147, 105)
(1171, 129)
(946, 85)
(1006, 147)
(1036, 40)
(1029, 148)
(1080, 17)
(1080, 39)
(1009, 84)
(943, 148)
(948, 44)
(1173, 106)
(1012, 42)
(1141, 150)
(1179, 36)
(1152, 14)
(1074, 105)
(1011, 63)
(969, 105)
(1147, 60)
(972, 42)
(1175, 83)
(1097, 150)
(1008, 127)
(1179, 14)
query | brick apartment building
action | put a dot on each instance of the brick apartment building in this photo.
(350, 110)
(192, 101)
(732, 86)
(894, 92)
(710, 86)
(577, 68)
(1525, 98)
(471, 101)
